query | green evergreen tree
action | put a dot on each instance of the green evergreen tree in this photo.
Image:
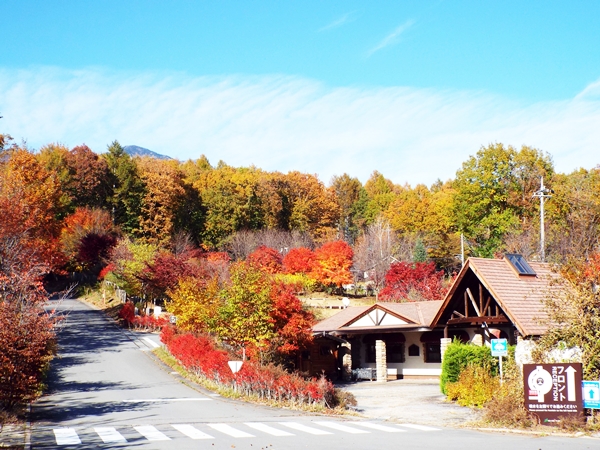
(420, 252)
(128, 189)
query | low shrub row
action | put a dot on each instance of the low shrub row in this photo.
(200, 355)
(140, 322)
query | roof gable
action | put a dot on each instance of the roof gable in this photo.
(490, 289)
(376, 317)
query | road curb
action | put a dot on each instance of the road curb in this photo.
(539, 433)
(27, 437)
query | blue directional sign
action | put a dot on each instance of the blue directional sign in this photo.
(499, 347)
(591, 394)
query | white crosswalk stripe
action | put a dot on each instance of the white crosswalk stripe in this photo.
(109, 435)
(341, 427)
(304, 428)
(229, 430)
(151, 433)
(268, 429)
(66, 436)
(191, 431)
(379, 427)
(418, 427)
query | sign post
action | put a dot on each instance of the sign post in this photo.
(553, 391)
(500, 349)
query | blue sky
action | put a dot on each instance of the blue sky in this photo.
(410, 89)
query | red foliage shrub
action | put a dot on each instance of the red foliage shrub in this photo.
(291, 321)
(105, 271)
(166, 270)
(127, 313)
(267, 259)
(216, 256)
(94, 248)
(149, 323)
(422, 278)
(167, 334)
(199, 355)
(27, 338)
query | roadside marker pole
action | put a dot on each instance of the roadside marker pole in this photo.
(501, 380)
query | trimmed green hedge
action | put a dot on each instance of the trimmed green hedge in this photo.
(459, 355)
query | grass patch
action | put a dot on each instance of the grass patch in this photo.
(103, 299)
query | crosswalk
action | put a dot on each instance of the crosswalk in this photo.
(111, 435)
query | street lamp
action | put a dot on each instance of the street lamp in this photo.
(542, 194)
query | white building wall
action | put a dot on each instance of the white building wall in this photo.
(413, 366)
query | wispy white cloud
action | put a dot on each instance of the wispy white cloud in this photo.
(346, 18)
(392, 38)
(290, 123)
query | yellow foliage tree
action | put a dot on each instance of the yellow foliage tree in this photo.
(195, 303)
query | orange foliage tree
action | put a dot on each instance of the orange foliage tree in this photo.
(27, 244)
(334, 260)
(35, 195)
(299, 260)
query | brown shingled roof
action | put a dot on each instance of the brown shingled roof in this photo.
(419, 313)
(520, 296)
(340, 319)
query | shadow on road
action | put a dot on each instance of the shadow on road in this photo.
(85, 334)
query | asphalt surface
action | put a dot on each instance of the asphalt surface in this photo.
(411, 400)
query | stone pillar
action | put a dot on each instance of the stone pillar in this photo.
(444, 343)
(346, 350)
(380, 361)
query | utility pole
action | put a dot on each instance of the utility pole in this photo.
(542, 194)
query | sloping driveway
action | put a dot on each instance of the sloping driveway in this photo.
(410, 401)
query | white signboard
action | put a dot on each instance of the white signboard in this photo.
(235, 366)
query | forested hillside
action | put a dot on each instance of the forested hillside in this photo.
(229, 248)
(489, 201)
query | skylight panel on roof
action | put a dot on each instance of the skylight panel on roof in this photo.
(519, 263)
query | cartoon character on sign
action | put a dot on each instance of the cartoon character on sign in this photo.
(540, 383)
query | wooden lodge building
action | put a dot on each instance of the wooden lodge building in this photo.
(490, 298)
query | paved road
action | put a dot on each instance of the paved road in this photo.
(106, 392)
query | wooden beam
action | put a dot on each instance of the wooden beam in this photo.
(490, 320)
(466, 304)
(473, 302)
(481, 308)
(458, 314)
(487, 305)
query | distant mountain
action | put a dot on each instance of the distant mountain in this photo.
(134, 150)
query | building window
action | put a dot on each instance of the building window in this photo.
(414, 350)
(394, 352)
(433, 353)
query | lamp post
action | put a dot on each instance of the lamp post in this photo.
(542, 194)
